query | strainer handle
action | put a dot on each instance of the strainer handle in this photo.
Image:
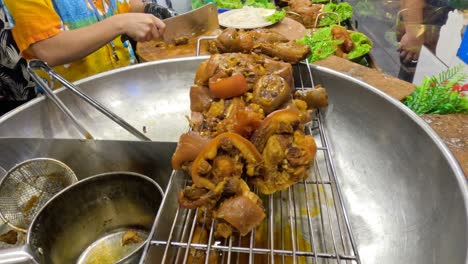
(16, 255)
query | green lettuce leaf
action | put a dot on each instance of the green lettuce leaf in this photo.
(321, 44)
(197, 3)
(344, 11)
(276, 17)
(362, 45)
(231, 4)
(260, 3)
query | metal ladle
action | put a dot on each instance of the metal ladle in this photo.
(96, 209)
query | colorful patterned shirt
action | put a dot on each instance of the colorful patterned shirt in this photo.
(36, 20)
(15, 84)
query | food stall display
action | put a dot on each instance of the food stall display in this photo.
(327, 36)
(263, 156)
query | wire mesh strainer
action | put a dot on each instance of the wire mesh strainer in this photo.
(28, 186)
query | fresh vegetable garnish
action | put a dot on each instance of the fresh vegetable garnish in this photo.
(344, 11)
(460, 88)
(321, 43)
(260, 3)
(362, 45)
(232, 4)
(436, 94)
(276, 17)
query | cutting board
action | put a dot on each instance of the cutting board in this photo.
(158, 50)
(289, 28)
(155, 50)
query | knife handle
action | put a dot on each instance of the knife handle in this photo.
(159, 11)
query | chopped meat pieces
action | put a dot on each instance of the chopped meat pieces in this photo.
(10, 237)
(262, 41)
(181, 40)
(242, 213)
(204, 171)
(188, 147)
(246, 127)
(271, 91)
(200, 98)
(314, 97)
(131, 237)
(306, 10)
(292, 51)
(286, 151)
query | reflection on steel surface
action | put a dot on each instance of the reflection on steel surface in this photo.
(405, 193)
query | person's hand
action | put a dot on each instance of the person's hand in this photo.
(410, 45)
(142, 27)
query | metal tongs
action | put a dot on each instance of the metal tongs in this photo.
(40, 65)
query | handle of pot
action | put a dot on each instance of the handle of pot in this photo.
(16, 255)
(200, 39)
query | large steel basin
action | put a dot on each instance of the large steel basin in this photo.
(405, 193)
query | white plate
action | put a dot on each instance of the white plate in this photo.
(246, 18)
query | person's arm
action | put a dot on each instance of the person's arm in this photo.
(413, 39)
(69, 46)
(137, 6)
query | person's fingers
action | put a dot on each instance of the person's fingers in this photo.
(415, 57)
(140, 37)
(403, 53)
(149, 36)
(155, 32)
(408, 58)
(159, 25)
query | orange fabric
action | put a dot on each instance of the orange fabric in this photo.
(37, 20)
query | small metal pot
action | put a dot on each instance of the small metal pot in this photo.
(87, 220)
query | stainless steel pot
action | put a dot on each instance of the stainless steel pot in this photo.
(86, 222)
(406, 195)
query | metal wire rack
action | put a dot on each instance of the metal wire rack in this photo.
(307, 223)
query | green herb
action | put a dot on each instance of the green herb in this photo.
(321, 44)
(197, 3)
(320, 1)
(344, 11)
(435, 95)
(362, 45)
(260, 3)
(231, 4)
(277, 16)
